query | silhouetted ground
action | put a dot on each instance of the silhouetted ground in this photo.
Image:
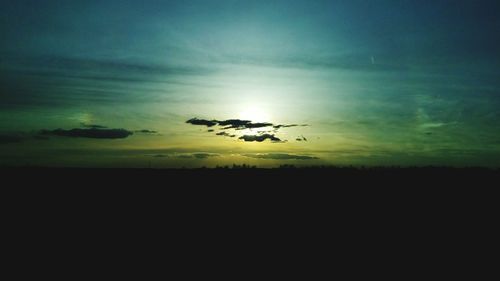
(309, 188)
(243, 176)
(423, 207)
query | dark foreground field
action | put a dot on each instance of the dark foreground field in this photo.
(310, 194)
(315, 177)
(410, 206)
(319, 190)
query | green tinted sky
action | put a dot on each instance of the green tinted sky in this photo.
(377, 82)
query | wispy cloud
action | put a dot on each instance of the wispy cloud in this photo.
(198, 155)
(280, 156)
(60, 80)
(89, 133)
(289, 126)
(98, 69)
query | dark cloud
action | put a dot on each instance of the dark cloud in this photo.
(100, 127)
(89, 133)
(301, 138)
(242, 124)
(238, 124)
(199, 155)
(260, 138)
(235, 123)
(281, 156)
(284, 126)
(150, 132)
(258, 125)
(289, 126)
(4, 139)
(225, 134)
(202, 122)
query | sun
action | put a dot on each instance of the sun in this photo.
(254, 114)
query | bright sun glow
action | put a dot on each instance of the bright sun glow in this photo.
(254, 114)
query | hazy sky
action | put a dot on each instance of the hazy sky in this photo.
(376, 82)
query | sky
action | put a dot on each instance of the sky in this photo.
(171, 84)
